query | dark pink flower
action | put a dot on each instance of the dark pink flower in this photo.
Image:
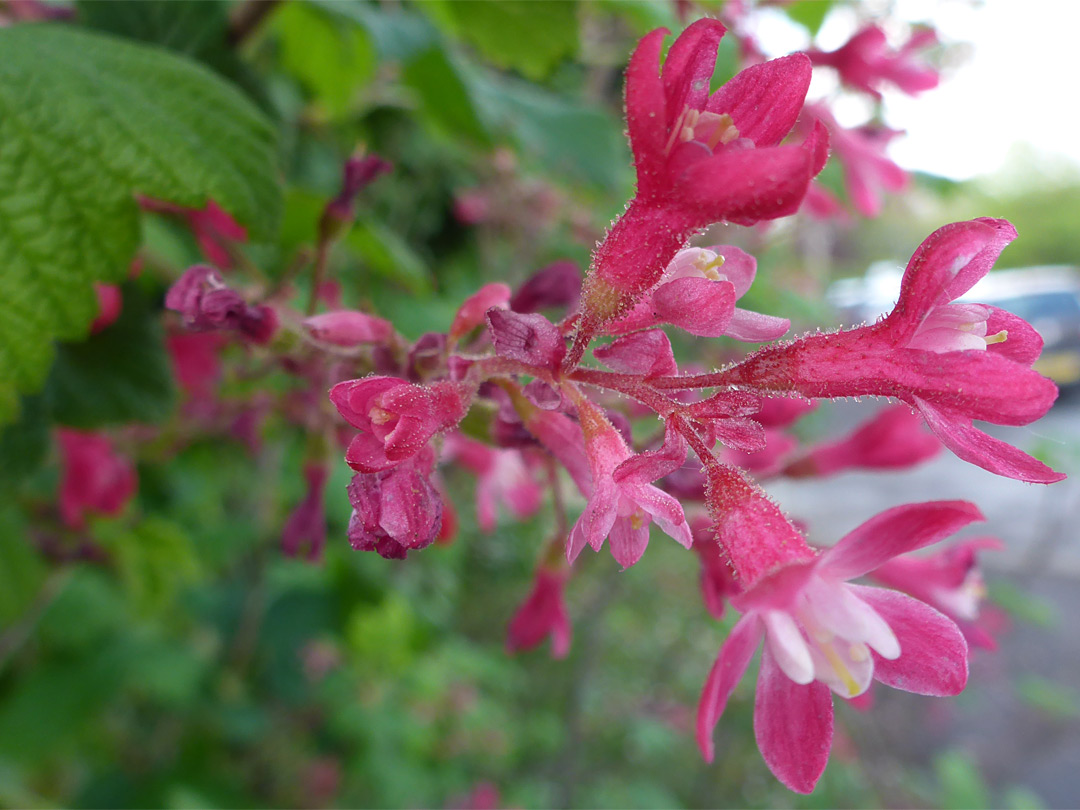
(95, 478)
(306, 526)
(348, 328)
(823, 634)
(865, 62)
(954, 362)
(718, 583)
(557, 285)
(647, 354)
(196, 361)
(868, 173)
(697, 293)
(396, 419)
(700, 158)
(623, 502)
(213, 227)
(893, 439)
(359, 171)
(948, 580)
(501, 477)
(542, 615)
(110, 303)
(397, 510)
(201, 296)
(530, 339)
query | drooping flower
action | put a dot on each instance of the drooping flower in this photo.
(201, 296)
(893, 439)
(395, 419)
(502, 476)
(623, 501)
(954, 362)
(697, 293)
(396, 510)
(700, 158)
(824, 634)
(868, 172)
(865, 62)
(949, 581)
(542, 615)
(306, 526)
(95, 478)
(718, 584)
(358, 172)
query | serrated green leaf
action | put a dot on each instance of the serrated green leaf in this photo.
(86, 121)
(531, 37)
(444, 97)
(119, 375)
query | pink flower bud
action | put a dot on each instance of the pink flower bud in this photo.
(206, 303)
(396, 419)
(348, 328)
(95, 479)
(471, 313)
(557, 285)
(542, 614)
(359, 171)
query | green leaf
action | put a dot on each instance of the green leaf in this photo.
(389, 256)
(331, 60)
(23, 445)
(87, 121)
(155, 559)
(119, 375)
(531, 37)
(444, 96)
(21, 569)
(809, 13)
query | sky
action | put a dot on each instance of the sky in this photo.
(1012, 89)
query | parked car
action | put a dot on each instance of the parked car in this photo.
(1046, 297)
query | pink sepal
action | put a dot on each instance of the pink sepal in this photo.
(726, 672)
(1022, 345)
(893, 532)
(793, 726)
(933, 654)
(471, 313)
(765, 100)
(348, 328)
(531, 339)
(645, 353)
(543, 614)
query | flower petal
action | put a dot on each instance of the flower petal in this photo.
(645, 353)
(645, 110)
(689, 67)
(764, 100)
(933, 654)
(793, 725)
(754, 327)
(1022, 343)
(700, 306)
(786, 643)
(971, 444)
(724, 676)
(893, 532)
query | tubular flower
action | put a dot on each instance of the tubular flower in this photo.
(824, 634)
(866, 63)
(697, 293)
(700, 159)
(954, 362)
(396, 420)
(502, 476)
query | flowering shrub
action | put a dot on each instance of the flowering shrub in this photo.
(586, 401)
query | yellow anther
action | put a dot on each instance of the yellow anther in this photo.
(858, 652)
(637, 520)
(379, 416)
(840, 669)
(1000, 337)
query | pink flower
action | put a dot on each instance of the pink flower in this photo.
(348, 328)
(823, 634)
(718, 583)
(623, 503)
(196, 362)
(557, 285)
(214, 228)
(502, 477)
(893, 439)
(359, 171)
(110, 302)
(397, 510)
(865, 62)
(206, 303)
(700, 159)
(530, 339)
(396, 419)
(697, 293)
(542, 615)
(868, 173)
(948, 580)
(471, 313)
(95, 478)
(306, 525)
(954, 362)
